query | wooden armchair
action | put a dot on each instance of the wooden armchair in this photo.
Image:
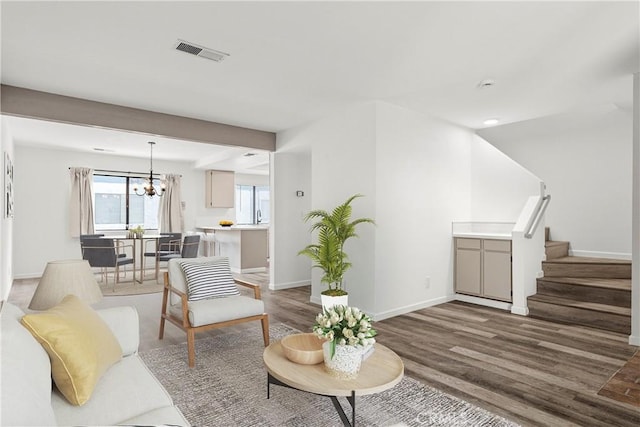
(200, 294)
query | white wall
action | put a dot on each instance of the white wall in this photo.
(290, 172)
(6, 224)
(422, 185)
(41, 226)
(416, 174)
(500, 187)
(585, 161)
(343, 163)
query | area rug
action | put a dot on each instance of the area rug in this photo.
(228, 387)
(126, 285)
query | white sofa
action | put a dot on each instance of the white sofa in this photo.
(127, 393)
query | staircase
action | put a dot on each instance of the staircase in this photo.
(593, 292)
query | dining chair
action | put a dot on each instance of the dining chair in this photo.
(201, 294)
(190, 246)
(103, 253)
(168, 244)
(97, 235)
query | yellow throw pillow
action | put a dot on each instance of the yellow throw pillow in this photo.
(80, 345)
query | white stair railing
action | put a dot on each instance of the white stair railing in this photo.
(538, 214)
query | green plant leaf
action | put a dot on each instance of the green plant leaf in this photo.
(333, 229)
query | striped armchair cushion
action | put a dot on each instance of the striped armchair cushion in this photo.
(209, 280)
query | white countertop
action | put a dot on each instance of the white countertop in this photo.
(482, 230)
(234, 227)
(480, 235)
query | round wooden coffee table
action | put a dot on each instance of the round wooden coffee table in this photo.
(380, 371)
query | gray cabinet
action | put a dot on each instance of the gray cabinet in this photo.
(219, 189)
(483, 268)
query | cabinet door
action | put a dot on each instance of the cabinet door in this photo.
(467, 271)
(496, 275)
(220, 189)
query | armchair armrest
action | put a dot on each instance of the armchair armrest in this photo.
(254, 286)
(166, 298)
(124, 323)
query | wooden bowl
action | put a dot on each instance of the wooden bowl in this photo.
(305, 349)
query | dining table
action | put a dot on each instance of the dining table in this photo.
(138, 250)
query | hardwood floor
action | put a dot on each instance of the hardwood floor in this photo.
(531, 371)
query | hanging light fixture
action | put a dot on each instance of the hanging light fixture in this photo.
(149, 189)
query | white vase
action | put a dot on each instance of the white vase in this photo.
(345, 363)
(329, 301)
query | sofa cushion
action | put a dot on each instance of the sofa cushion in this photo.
(217, 310)
(209, 280)
(125, 392)
(79, 343)
(26, 374)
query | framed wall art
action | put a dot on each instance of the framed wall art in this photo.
(8, 186)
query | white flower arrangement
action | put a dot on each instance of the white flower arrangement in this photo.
(344, 325)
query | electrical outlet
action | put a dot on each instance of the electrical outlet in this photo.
(427, 282)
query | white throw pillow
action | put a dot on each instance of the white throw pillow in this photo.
(209, 280)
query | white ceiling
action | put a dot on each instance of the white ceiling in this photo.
(293, 62)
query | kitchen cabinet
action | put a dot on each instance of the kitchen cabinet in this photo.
(219, 189)
(483, 268)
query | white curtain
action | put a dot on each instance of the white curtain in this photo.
(170, 213)
(81, 208)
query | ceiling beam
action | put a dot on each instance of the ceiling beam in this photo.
(22, 102)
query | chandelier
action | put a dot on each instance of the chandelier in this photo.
(148, 187)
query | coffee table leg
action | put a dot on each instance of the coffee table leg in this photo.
(352, 401)
(334, 399)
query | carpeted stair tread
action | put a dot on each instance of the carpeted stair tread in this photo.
(566, 302)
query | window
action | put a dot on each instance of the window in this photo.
(252, 204)
(117, 207)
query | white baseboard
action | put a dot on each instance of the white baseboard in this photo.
(520, 311)
(315, 300)
(634, 340)
(484, 301)
(594, 254)
(397, 311)
(409, 308)
(28, 276)
(249, 270)
(288, 285)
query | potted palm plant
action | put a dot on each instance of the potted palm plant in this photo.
(334, 229)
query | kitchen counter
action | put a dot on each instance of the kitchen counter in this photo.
(233, 227)
(482, 230)
(246, 246)
(486, 235)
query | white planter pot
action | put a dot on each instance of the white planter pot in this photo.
(346, 361)
(329, 301)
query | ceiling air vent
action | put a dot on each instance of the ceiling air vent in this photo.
(201, 51)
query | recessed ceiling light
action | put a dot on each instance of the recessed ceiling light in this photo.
(491, 122)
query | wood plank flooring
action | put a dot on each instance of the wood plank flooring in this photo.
(531, 371)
